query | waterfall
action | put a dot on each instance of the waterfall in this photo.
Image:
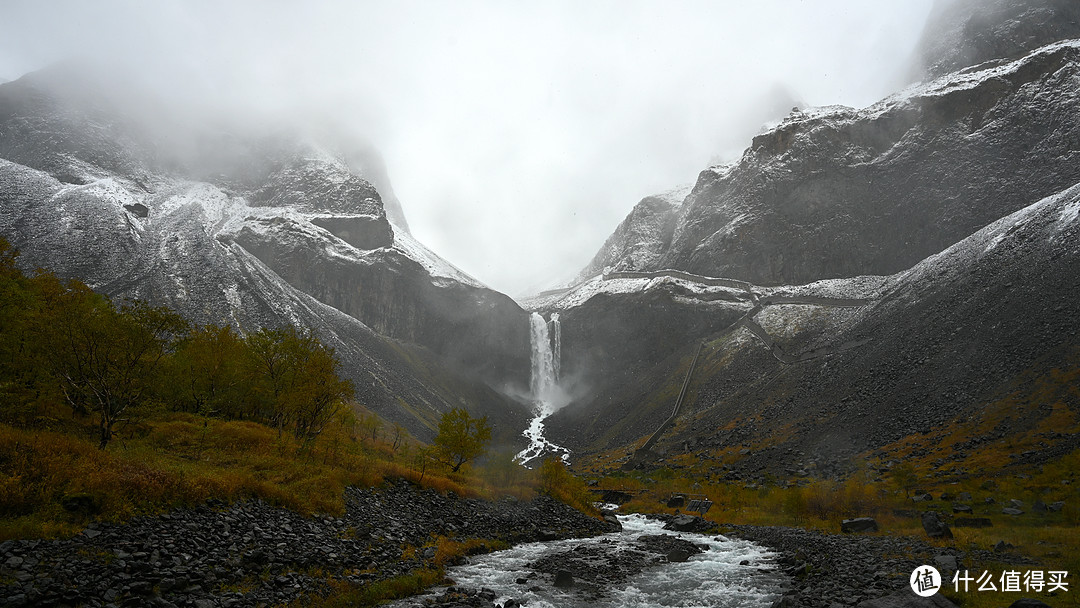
(556, 345)
(546, 352)
(542, 382)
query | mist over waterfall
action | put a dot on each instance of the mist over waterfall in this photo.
(546, 351)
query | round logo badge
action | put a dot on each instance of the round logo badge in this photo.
(925, 581)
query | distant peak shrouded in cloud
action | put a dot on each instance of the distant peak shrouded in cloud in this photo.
(517, 136)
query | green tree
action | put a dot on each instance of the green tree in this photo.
(461, 438)
(204, 375)
(25, 384)
(105, 359)
(294, 380)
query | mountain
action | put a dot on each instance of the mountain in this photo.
(857, 365)
(254, 227)
(962, 33)
(856, 280)
(835, 192)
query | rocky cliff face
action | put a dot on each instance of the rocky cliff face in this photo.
(835, 192)
(259, 231)
(988, 322)
(962, 33)
(642, 238)
(910, 269)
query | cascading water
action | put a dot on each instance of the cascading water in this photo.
(720, 576)
(546, 343)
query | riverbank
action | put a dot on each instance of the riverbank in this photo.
(250, 553)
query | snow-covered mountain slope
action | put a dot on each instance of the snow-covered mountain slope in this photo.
(642, 238)
(961, 33)
(286, 231)
(991, 319)
(837, 192)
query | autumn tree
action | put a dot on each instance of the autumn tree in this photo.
(461, 438)
(104, 358)
(205, 373)
(294, 380)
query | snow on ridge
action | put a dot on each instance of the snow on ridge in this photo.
(437, 267)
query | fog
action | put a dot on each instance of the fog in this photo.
(517, 135)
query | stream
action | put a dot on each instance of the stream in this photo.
(714, 577)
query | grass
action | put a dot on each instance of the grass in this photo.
(179, 460)
(1051, 539)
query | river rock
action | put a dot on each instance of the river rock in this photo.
(678, 555)
(564, 579)
(859, 524)
(689, 523)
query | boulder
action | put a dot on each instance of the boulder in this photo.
(1003, 546)
(1011, 511)
(689, 523)
(1016, 504)
(678, 555)
(958, 508)
(964, 497)
(934, 526)
(1056, 506)
(1039, 506)
(564, 579)
(676, 501)
(859, 524)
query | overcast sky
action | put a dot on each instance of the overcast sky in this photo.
(517, 134)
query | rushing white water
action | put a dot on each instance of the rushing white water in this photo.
(712, 578)
(546, 344)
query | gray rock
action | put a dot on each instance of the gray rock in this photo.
(564, 579)
(947, 563)
(958, 508)
(1038, 507)
(1056, 506)
(934, 526)
(678, 555)
(1016, 504)
(1011, 511)
(964, 497)
(859, 524)
(1002, 546)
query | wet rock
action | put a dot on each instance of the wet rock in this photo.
(564, 579)
(689, 523)
(678, 555)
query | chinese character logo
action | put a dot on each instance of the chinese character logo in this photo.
(925, 581)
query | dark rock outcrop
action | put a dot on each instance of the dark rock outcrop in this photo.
(962, 33)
